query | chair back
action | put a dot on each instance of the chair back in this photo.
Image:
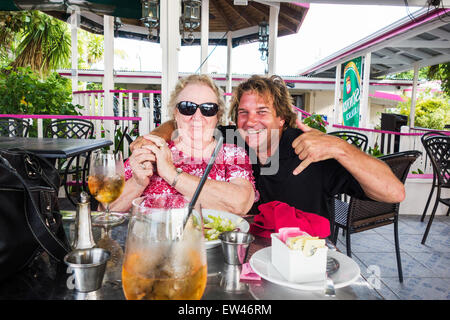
(13, 127)
(363, 213)
(355, 138)
(437, 146)
(70, 129)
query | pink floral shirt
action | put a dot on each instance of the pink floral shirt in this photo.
(231, 162)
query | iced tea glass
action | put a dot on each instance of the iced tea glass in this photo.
(106, 182)
(162, 260)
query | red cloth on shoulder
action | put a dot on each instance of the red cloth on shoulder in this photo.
(275, 215)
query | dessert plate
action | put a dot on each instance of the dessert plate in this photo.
(240, 223)
(347, 273)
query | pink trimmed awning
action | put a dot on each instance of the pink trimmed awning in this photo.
(387, 96)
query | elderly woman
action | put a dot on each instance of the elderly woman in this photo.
(177, 166)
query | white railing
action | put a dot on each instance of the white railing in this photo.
(408, 139)
(132, 109)
(389, 141)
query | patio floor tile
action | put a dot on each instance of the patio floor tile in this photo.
(419, 288)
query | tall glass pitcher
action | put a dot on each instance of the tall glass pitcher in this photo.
(163, 261)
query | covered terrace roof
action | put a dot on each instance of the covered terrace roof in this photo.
(422, 38)
(224, 16)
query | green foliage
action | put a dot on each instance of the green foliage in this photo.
(90, 49)
(23, 92)
(316, 121)
(409, 75)
(32, 38)
(432, 111)
(439, 72)
(375, 151)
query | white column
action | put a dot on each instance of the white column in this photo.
(273, 35)
(337, 97)
(364, 112)
(170, 45)
(229, 85)
(108, 79)
(412, 112)
(74, 24)
(204, 26)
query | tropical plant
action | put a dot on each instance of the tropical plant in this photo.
(439, 72)
(432, 110)
(90, 49)
(375, 151)
(42, 42)
(316, 121)
(22, 91)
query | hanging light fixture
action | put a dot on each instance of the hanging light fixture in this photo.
(117, 25)
(263, 37)
(190, 18)
(150, 15)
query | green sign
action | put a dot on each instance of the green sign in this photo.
(352, 92)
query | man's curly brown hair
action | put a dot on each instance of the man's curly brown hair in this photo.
(272, 89)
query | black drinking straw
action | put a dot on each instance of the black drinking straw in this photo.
(203, 179)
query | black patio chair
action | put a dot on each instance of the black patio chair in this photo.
(361, 215)
(360, 141)
(14, 127)
(437, 146)
(72, 129)
(355, 138)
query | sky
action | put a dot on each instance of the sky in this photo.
(325, 30)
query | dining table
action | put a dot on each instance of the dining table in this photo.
(45, 281)
(53, 149)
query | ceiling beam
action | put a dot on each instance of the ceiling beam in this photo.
(290, 13)
(423, 44)
(387, 61)
(281, 21)
(418, 53)
(250, 21)
(217, 5)
(421, 63)
(443, 51)
(397, 56)
(440, 33)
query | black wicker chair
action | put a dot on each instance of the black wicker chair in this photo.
(360, 141)
(72, 129)
(14, 127)
(437, 146)
(361, 215)
(355, 138)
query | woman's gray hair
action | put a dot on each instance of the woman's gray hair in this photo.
(197, 78)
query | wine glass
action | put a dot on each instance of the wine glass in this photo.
(164, 260)
(106, 181)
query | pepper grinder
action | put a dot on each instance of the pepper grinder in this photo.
(83, 225)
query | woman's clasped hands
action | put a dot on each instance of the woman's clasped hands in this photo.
(150, 157)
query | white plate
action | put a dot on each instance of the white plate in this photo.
(242, 225)
(347, 273)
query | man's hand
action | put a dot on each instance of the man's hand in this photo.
(313, 146)
(164, 131)
(140, 163)
(164, 161)
(140, 142)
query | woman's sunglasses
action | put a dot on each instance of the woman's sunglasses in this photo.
(207, 109)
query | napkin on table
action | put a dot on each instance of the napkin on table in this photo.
(275, 215)
(247, 273)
